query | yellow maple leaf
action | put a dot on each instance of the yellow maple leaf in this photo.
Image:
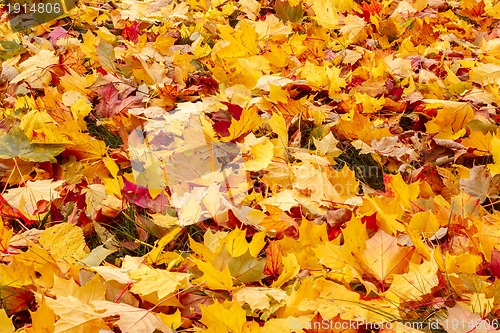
(173, 321)
(212, 277)
(249, 120)
(75, 316)
(227, 317)
(406, 193)
(451, 120)
(112, 273)
(383, 256)
(39, 127)
(132, 319)
(43, 318)
(388, 212)
(485, 74)
(413, 285)
(153, 255)
(16, 274)
(290, 269)
(259, 298)
(462, 263)
(326, 13)
(480, 141)
(339, 260)
(242, 41)
(157, 282)
(425, 223)
(6, 322)
(330, 299)
(488, 234)
(355, 235)
(315, 75)
(357, 126)
(261, 151)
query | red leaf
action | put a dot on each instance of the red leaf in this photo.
(222, 127)
(131, 31)
(6, 210)
(371, 9)
(112, 101)
(494, 264)
(140, 196)
(56, 34)
(234, 110)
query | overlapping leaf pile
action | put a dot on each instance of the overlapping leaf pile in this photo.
(368, 132)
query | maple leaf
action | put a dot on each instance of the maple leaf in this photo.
(466, 320)
(131, 318)
(450, 120)
(339, 259)
(290, 270)
(16, 274)
(75, 316)
(158, 282)
(259, 298)
(246, 126)
(485, 74)
(383, 257)
(227, 317)
(36, 69)
(418, 281)
(11, 212)
(326, 13)
(112, 101)
(248, 121)
(26, 198)
(131, 32)
(16, 144)
(6, 322)
(480, 184)
(242, 42)
(214, 278)
(243, 268)
(43, 318)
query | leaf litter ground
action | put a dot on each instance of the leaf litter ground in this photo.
(251, 166)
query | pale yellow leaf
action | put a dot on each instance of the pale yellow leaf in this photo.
(157, 281)
(132, 319)
(64, 241)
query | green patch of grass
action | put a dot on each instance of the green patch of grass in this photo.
(102, 133)
(126, 234)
